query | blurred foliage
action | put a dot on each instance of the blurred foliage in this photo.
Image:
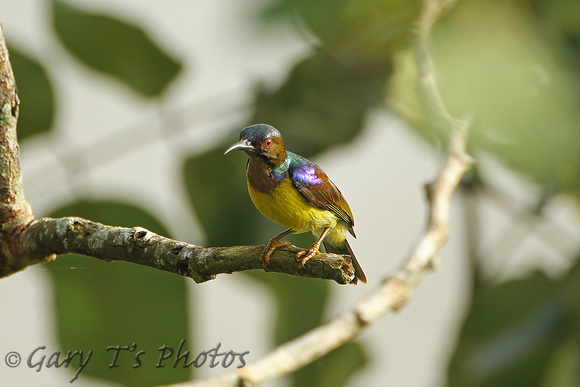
(101, 304)
(327, 95)
(35, 94)
(521, 332)
(511, 66)
(321, 93)
(114, 47)
(118, 304)
(357, 33)
(562, 19)
(513, 80)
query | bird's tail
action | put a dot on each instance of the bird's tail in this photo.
(345, 249)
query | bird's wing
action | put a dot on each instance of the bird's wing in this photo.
(318, 190)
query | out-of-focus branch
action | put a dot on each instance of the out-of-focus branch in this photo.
(395, 291)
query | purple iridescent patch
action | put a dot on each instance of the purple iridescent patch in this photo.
(306, 174)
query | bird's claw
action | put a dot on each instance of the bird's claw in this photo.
(311, 252)
(269, 250)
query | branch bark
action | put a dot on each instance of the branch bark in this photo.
(143, 247)
(15, 212)
(395, 291)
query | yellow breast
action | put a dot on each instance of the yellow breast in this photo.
(287, 207)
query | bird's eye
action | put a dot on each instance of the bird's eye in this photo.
(268, 142)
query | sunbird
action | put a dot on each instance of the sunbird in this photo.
(295, 193)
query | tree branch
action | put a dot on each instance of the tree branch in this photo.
(15, 212)
(394, 291)
(140, 246)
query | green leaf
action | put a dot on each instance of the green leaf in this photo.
(562, 369)
(35, 93)
(356, 33)
(116, 48)
(511, 333)
(515, 84)
(568, 290)
(328, 94)
(562, 16)
(101, 304)
(323, 103)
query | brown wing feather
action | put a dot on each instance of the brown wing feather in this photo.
(325, 195)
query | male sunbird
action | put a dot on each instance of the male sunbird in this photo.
(294, 192)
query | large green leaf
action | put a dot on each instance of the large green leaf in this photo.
(35, 94)
(511, 334)
(357, 33)
(101, 304)
(562, 369)
(115, 47)
(568, 290)
(323, 103)
(523, 332)
(563, 16)
(515, 84)
(327, 95)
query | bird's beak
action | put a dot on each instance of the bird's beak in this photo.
(240, 145)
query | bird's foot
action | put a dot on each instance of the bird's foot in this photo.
(311, 252)
(270, 248)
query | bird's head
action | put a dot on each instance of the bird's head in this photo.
(262, 141)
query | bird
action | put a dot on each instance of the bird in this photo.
(296, 193)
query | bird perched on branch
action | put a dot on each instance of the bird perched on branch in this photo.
(294, 192)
